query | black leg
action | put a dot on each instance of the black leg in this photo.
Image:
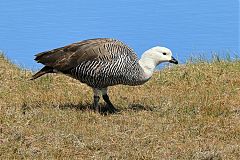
(110, 108)
(95, 103)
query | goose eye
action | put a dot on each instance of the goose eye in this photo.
(164, 53)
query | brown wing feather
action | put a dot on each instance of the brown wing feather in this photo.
(71, 55)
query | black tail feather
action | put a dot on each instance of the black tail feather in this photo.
(43, 71)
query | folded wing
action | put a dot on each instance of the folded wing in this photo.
(72, 55)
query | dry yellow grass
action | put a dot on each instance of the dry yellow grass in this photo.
(184, 112)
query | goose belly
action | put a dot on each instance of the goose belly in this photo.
(100, 74)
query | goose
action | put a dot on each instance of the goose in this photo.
(103, 62)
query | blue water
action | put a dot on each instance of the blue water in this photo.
(188, 28)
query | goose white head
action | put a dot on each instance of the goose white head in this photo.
(153, 57)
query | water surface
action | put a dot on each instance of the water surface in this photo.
(188, 28)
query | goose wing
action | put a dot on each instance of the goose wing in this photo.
(70, 56)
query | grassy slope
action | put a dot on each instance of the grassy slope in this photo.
(190, 111)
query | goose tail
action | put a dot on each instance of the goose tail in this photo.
(43, 71)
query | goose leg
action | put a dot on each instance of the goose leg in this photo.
(95, 103)
(109, 107)
(96, 98)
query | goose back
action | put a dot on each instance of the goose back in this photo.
(99, 49)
